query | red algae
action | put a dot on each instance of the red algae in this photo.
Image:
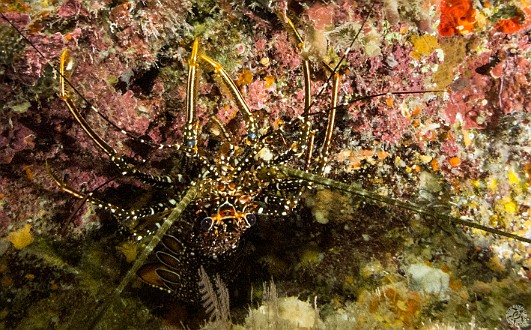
(469, 142)
(320, 15)
(71, 9)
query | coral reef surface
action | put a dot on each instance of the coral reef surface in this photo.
(435, 109)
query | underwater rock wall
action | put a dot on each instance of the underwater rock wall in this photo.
(461, 148)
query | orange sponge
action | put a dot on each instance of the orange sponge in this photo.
(457, 16)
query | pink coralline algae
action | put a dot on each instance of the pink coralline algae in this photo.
(71, 9)
(320, 15)
(14, 140)
(437, 119)
(258, 95)
(120, 15)
(39, 119)
(492, 86)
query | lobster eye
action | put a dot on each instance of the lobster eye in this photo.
(206, 223)
(190, 143)
(250, 219)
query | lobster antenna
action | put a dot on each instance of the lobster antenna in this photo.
(341, 60)
(357, 191)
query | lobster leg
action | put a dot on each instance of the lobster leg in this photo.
(250, 122)
(66, 69)
(128, 218)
